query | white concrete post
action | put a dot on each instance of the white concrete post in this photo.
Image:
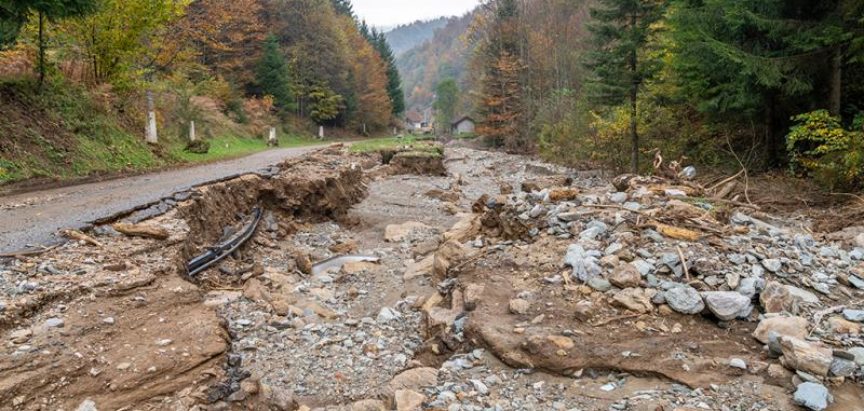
(152, 135)
(321, 132)
(272, 139)
(192, 136)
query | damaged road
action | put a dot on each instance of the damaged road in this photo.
(469, 281)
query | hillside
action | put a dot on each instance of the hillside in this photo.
(445, 55)
(407, 36)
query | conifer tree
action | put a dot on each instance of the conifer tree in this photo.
(394, 81)
(621, 62)
(272, 75)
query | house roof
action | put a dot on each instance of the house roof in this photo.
(463, 119)
(414, 117)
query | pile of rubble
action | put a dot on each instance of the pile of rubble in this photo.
(506, 284)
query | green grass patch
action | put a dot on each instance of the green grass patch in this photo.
(232, 146)
(407, 143)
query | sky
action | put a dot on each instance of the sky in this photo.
(390, 13)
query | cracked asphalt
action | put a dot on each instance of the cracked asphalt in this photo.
(34, 218)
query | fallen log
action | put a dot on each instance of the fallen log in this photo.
(140, 230)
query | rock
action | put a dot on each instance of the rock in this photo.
(415, 379)
(727, 305)
(858, 353)
(684, 299)
(600, 284)
(409, 400)
(633, 299)
(369, 405)
(87, 405)
(108, 320)
(54, 323)
(805, 356)
(625, 276)
(856, 282)
(584, 310)
(519, 306)
(448, 255)
(859, 240)
(854, 315)
(21, 336)
(618, 198)
(472, 294)
(772, 264)
(562, 342)
(420, 268)
(812, 396)
(395, 233)
(733, 280)
(387, 314)
(585, 266)
(842, 368)
(840, 326)
(738, 363)
(775, 297)
(784, 326)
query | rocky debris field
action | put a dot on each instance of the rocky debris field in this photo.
(412, 281)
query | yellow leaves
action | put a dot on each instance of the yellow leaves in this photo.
(677, 233)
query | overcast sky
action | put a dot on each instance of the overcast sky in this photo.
(389, 13)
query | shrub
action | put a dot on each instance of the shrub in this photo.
(819, 146)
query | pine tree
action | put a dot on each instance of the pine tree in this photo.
(394, 81)
(343, 7)
(501, 99)
(621, 61)
(272, 75)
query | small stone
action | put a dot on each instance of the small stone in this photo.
(772, 264)
(854, 315)
(633, 299)
(838, 325)
(584, 310)
(415, 378)
(727, 305)
(625, 276)
(733, 280)
(123, 366)
(812, 396)
(20, 336)
(842, 368)
(87, 405)
(55, 323)
(387, 314)
(684, 299)
(858, 353)
(108, 320)
(738, 363)
(585, 265)
(480, 387)
(519, 306)
(775, 297)
(562, 342)
(856, 282)
(600, 284)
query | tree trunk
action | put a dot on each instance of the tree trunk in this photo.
(41, 49)
(152, 136)
(836, 81)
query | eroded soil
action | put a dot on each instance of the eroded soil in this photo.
(470, 306)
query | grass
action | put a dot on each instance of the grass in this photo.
(410, 142)
(231, 146)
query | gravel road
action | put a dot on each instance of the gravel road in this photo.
(35, 217)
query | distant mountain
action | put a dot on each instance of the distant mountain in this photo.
(445, 54)
(408, 36)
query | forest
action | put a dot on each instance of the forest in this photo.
(724, 83)
(234, 67)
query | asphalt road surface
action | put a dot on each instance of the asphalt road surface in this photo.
(34, 218)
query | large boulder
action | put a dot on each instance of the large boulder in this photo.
(784, 326)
